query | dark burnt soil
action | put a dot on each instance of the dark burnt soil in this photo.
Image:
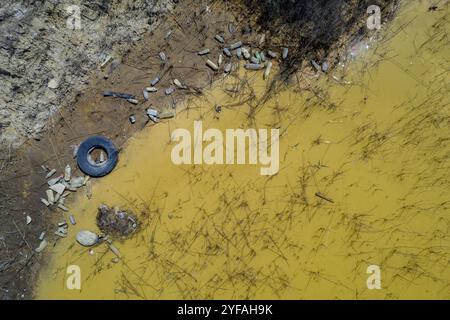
(22, 183)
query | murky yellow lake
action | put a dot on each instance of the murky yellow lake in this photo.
(374, 142)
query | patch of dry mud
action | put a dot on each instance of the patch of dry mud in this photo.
(44, 63)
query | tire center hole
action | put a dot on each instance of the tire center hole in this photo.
(97, 156)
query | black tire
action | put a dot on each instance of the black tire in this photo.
(97, 170)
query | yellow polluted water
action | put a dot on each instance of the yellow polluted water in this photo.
(364, 180)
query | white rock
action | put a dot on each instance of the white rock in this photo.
(50, 173)
(87, 238)
(67, 173)
(53, 84)
(50, 196)
(42, 246)
(53, 181)
(58, 188)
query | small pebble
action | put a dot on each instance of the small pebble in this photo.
(272, 54)
(219, 38)
(227, 52)
(212, 65)
(253, 66)
(151, 89)
(169, 91)
(154, 81)
(227, 68)
(133, 101)
(285, 53)
(203, 52)
(51, 172)
(236, 45)
(231, 28)
(246, 53)
(239, 53)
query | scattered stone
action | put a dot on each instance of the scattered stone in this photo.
(62, 207)
(87, 238)
(75, 150)
(262, 39)
(272, 54)
(57, 198)
(285, 53)
(316, 65)
(53, 84)
(50, 173)
(62, 224)
(103, 64)
(41, 246)
(263, 57)
(67, 173)
(132, 119)
(227, 68)
(239, 53)
(246, 53)
(236, 45)
(212, 65)
(133, 101)
(153, 115)
(154, 81)
(219, 38)
(29, 219)
(227, 52)
(231, 28)
(179, 84)
(54, 181)
(268, 69)
(151, 89)
(254, 60)
(88, 189)
(50, 196)
(61, 234)
(253, 66)
(169, 91)
(58, 188)
(76, 182)
(121, 95)
(166, 114)
(203, 52)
